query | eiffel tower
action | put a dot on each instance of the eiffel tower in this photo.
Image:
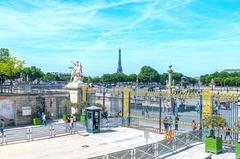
(119, 69)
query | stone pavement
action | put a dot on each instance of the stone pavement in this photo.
(77, 146)
(198, 152)
(81, 146)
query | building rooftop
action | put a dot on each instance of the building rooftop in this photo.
(231, 70)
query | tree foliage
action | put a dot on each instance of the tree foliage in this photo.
(33, 73)
(238, 124)
(214, 122)
(221, 79)
(148, 74)
(10, 66)
(54, 76)
(103, 108)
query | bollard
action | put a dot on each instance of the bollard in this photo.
(4, 137)
(155, 150)
(52, 130)
(1, 140)
(29, 134)
(132, 154)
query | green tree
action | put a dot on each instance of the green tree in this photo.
(104, 108)
(96, 79)
(177, 77)
(4, 53)
(51, 77)
(33, 73)
(107, 78)
(148, 74)
(214, 122)
(55, 76)
(221, 78)
(10, 66)
(132, 78)
(36, 108)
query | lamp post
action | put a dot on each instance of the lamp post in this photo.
(170, 72)
(160, 109)
(212, 84)
(170, 87)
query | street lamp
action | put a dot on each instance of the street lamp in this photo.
(160, 109)
(212, 83)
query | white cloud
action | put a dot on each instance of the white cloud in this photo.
(50, 33)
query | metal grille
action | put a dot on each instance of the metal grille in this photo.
(126, 154)
(37, 132)
(159, 149)
(145, 152)
(16, 135)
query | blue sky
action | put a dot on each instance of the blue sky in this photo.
(195, 36)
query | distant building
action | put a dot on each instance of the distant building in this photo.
(119, 69)
(231, 70)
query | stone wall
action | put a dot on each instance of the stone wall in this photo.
(11, 106)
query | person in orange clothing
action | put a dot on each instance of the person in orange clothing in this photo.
(171, 134)
(194, 125)
(165, 137)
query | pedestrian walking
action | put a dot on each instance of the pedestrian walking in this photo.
(176, 122)
(43, 118)
(105, 116)
(170, 121)
(194, 125)
(171, 135)
(165, 123)
(67, 123)
(165, 137)
(147, 114)
(71, 121)
(228, 133)
(2, 127)
(74, 121)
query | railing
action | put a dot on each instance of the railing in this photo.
(156, 150)
(38, 132)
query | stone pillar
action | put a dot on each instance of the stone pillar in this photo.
(170, 87)
(170, 72)
(75, 91)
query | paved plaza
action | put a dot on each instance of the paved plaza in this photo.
(198, 152)
(79, 146)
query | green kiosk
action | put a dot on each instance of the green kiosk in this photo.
(93, 119)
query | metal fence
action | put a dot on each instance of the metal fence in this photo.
(38, 132)
(157, 150)
(150, 109)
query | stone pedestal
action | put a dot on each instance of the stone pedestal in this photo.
(75, 91)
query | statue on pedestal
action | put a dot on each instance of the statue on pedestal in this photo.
(75, 86)
(76, 74)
